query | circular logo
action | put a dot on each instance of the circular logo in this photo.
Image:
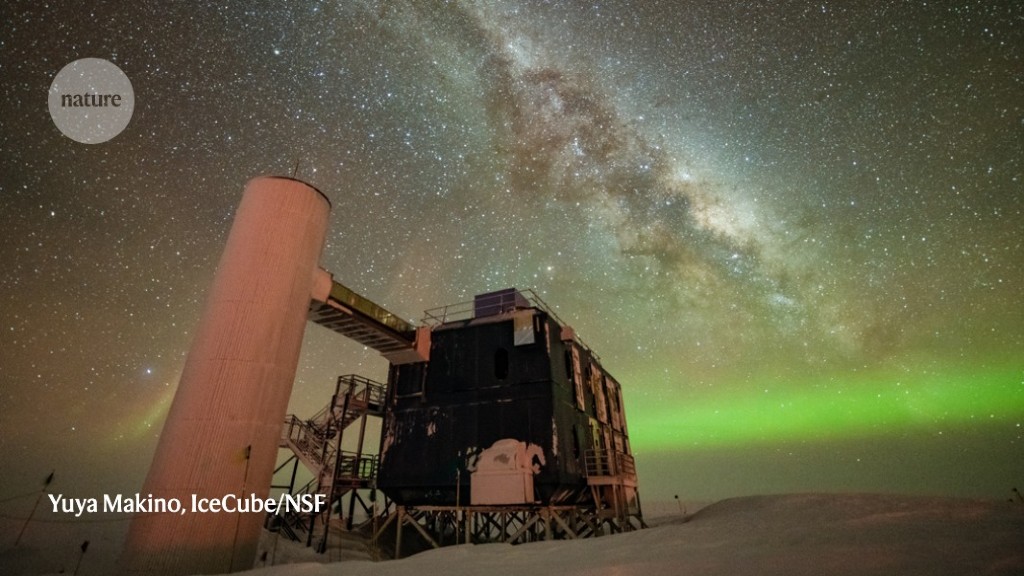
(91, 100)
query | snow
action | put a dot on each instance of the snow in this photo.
(791, 535)
(835, 534)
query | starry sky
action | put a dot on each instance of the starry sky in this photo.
(791, 230)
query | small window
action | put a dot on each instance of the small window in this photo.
(501, 364)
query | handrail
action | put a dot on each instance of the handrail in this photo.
(370, 309)
(462, 311)
(601, 462)
(465, 310)
(352, 465)
(310, 441)
(361, 388)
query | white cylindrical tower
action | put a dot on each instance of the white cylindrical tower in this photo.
(223, 428)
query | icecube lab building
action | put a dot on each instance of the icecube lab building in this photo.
(498, 423)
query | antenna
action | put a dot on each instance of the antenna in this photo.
(295, 170)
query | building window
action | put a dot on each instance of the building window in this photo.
(501, 364)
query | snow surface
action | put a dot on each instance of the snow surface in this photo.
(819, 534)
(791, 535)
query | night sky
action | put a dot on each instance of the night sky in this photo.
(793, 231)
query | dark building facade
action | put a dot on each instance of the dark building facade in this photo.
(509, 409)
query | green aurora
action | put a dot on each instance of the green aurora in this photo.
(863, 405)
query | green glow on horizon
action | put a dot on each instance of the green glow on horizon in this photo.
(864, 406)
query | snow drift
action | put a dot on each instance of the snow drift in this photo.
(834, 534)
(791, 535)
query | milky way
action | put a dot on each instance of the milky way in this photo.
(791, 230)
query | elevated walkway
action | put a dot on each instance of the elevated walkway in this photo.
(360, 319)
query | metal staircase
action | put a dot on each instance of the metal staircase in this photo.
(316, 443)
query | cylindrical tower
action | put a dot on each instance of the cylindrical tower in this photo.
(223, 428)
